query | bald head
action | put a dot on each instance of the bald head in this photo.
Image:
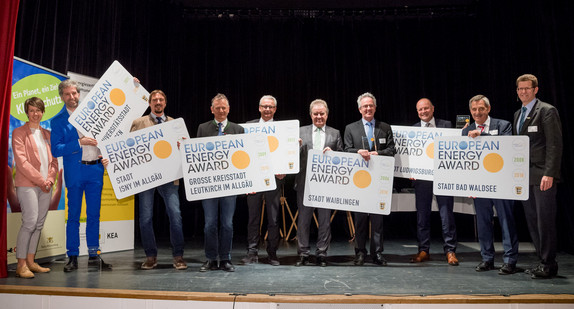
(425, 109)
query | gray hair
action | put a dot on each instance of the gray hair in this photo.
(219, 97)
(67, 83)
(366, 95)
(268, 97)
(318, 102)
(477, 98)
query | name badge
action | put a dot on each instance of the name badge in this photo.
(382, 140)
(532, 128)
(493, 132)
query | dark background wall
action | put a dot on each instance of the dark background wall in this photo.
(297, 51)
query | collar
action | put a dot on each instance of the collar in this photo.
(432, 121)
(529, 106)
(224, 122)
(486, 124)
(365, 122)
(315, 128)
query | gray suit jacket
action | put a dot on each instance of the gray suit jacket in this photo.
(543, 127)
(332, 140)
(355, 134)
(502, 127)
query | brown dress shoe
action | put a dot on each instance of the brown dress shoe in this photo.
(24, 272)
(420, 257)
(35, 268)
(451, 259)
(150, 263)
(179, 263)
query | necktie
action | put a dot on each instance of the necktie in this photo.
(317, 142)
(481, 127)
(159, 120)
(370, 134)
(220, 125)
(428, 125)
(522, 117)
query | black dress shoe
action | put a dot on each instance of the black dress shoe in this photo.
(543, 271)
(72, 264)
(250, 258)
(359, 259)
(96, 261)
(209, 265)
(379, 259)
(227, 266)
(321, 261)
(303, 261)
(507, 269)
(273, 259)
(485, 266)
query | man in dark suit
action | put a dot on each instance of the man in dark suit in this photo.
(315, 136)
(267, 108)
(423, 199)
(83, 173)
(485, 125)
(218, 241)
(541, 122)
(369, 137)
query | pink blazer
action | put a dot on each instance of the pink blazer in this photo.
(27, 158)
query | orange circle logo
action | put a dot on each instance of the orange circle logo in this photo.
(430, 150)
(362, 179)
(240, 159)
(117, 96)
(273, 143)
(162, 149)
(493, 162)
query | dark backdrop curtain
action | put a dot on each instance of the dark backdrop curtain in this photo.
(8, 17)
(447, 55)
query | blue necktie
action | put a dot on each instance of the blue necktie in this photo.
(370, 134)
(522, 117)
(158, 120)
(220, 129)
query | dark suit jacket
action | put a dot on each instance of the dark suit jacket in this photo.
(355, 134)
(210, 129)
(438, 122)
(545, 143)
(64, 140)
(332, 140)
(502, 126)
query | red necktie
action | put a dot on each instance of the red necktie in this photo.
(481, 128)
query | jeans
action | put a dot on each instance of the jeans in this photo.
(170, 195)
(218, 241)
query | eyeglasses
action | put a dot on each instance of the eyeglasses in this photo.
(524, 89)
(267, 106)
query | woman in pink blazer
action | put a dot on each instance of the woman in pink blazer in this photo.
(36, 171)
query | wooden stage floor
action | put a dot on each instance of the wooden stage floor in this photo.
(340, 282)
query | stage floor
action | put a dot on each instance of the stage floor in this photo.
(400, 278)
